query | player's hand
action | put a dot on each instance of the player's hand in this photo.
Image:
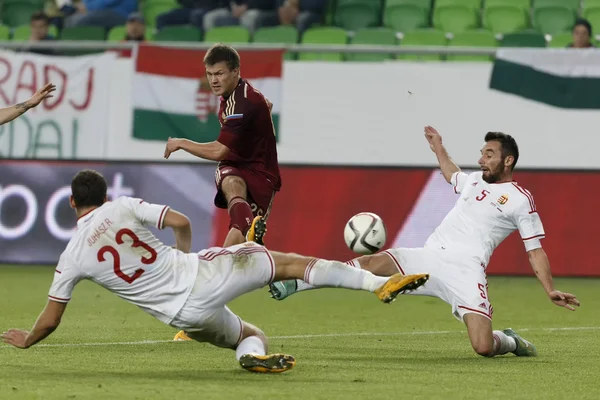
(173, 144)
(15, 337)
(566, 300)
(42, 94)
(433, 138)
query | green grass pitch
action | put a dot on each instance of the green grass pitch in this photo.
(347, 346)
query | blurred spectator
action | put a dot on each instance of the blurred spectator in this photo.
(135, 28)
(39, 24)
(300, 13)
(582, 34)
(104, 13)
(191, 12)
(245, 12)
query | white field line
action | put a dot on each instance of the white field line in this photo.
(324, 335)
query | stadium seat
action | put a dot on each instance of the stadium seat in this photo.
(423, 37)
(23, 32)
(570, 4)
(523, 39)
(227, 34)
(278, 34)
(524, 4)
(4, 32)
(357, 14)
(175, 33)
(505, 19)
(405, 17)
(83, 33)
(323, 35)
(153, 8)
(118, 33)
(592, 14)
(457, 18)
(372, 36)
(427, 4)
(474, 38)
(561, 40)
(553, 19)
(18, 12)
(472, 4)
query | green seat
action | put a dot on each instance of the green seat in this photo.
(372, 36)
(472, 4)
(523, 39)
(524, 4)
(592, 14)
(323, 35)
(118, 33)
(357, 14)
(4, 32)
(227, 34)
(284, 34)
(455, 18)
(152, 9)
(18, 13)
(176, 33)
(23, 32)
(505, 19)
(553, 19)
(427, 4)
(405, 17)
(561, 40)
(83, 33)
(423, 37)
(570, 4)
(474, 38)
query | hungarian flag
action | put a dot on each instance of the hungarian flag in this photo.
(171, 96)
(564, 78)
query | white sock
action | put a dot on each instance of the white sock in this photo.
(250, 345)
(503, 344)
(337, 274)
(301, 285)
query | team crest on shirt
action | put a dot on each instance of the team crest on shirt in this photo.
(503, 199)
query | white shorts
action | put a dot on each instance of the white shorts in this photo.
(223, 275)
(458, 280)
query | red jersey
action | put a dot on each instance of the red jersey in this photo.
(247, 130)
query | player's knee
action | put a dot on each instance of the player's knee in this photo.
(484, 349)
(233, 186)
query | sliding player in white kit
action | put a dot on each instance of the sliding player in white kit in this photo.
(490, 207)
(113, 247)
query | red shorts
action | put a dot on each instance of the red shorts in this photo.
(260, 190)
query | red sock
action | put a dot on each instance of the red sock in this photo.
(240, 215)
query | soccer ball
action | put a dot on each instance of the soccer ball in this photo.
(365, 233)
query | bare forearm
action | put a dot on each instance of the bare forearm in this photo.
(208, 151)
(40, 331)
(447, 166)
(183, 238)
(10, 113)
(541, 266)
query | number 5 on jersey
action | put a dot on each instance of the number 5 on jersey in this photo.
(117, 259)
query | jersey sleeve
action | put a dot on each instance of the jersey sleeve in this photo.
(458, 181)
(238, 114)
(66, 276)
(529, 224)
(147, 213)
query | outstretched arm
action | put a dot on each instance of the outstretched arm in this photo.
(541, 266)
(214, 151)
(447, 166)
(46, 323)
(10, 113)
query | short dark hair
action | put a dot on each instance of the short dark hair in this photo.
(40, 16)
(585, 23)
(88, 188)
(222, 53)
(508, 144)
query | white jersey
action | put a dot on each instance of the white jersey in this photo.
(112, 247)
(484, 215)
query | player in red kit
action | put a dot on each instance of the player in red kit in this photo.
(247, 175)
